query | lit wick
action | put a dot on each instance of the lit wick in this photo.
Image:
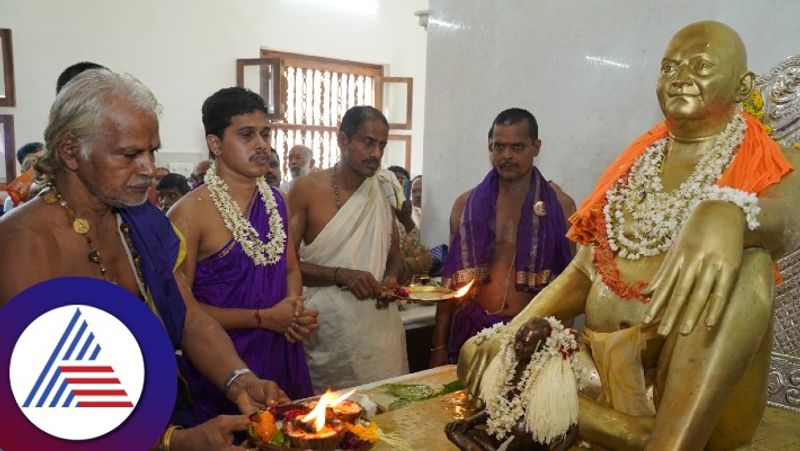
(461, 292)
(317, 415)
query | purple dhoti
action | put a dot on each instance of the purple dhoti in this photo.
(468, 319)
(230, 279)
(542, 250)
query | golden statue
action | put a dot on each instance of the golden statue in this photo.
(676, 271)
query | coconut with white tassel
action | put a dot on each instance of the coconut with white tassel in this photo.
(543, 393)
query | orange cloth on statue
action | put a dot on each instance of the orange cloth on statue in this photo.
(758, 164)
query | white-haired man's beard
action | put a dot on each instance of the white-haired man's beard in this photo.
(297, 171)
(132, 194)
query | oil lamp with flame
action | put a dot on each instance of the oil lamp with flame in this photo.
(322, 428)
(461, 292)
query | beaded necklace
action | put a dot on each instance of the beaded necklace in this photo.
(81, 226)
(336, 188)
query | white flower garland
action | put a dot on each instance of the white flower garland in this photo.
(504, 413)
(488, 333)
(658, 216)
(243, 232)
(748, 202)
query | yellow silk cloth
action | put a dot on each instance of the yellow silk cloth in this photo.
(618, 358)
(181, 249)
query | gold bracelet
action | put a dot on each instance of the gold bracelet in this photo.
(168, 436)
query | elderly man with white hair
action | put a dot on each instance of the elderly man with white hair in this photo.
(301, 162)
(98, 165)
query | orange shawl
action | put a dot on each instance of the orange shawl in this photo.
(758, 164)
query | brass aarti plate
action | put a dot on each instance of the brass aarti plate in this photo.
(428, 294)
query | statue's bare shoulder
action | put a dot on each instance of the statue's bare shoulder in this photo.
(793, 155)
(790, 183)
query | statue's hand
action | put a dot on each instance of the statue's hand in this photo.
(700, 268)
(473, 360)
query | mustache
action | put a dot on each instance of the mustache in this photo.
(372, 161)
(508, 164)
(141, 182)
(258, 155)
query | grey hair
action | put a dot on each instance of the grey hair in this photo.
(79, 109)
(307, 150)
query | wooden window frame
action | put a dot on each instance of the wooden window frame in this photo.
(284, 60)
(8, 147)
(332, 65)
(9, 99)
(409, 82)
(324, 64)
(407, 140)
(276, 93)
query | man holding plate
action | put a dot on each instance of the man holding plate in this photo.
(343, 227)
(507, 234)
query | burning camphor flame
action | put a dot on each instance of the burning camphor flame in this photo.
(317, 415)
(464, 290)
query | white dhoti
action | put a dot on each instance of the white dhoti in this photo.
(355, 343)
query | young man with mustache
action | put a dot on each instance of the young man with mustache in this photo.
(344, 229)
(507, 234)
(240, 260)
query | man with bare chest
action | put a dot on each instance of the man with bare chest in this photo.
(507, 234)
(343, 227)
(248, 281)
(92, 220)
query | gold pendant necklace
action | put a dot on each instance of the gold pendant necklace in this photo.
(79, 225)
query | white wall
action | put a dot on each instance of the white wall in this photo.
(585, 68)
(184, 50)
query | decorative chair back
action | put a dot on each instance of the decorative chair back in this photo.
(779, 91)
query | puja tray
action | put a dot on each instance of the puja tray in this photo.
(425, 294)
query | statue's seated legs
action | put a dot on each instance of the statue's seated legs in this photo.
(710, 384)
(714, 380)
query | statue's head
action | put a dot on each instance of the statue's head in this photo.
(703, 76)
(530, 337)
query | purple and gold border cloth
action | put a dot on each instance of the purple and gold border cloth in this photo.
(158, 247)
(542, 247)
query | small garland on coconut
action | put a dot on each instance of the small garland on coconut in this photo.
(547, 390)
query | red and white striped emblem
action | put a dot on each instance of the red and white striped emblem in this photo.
(77, 372)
